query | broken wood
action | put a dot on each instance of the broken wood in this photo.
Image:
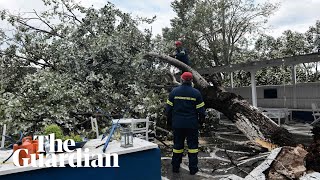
(289, 164)
(233, 163)
(164, 130)
(166, 145)
(258, 172)
(247, 118)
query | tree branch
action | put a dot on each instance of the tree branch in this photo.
(39, 30)
(39, 18)
(69, 9)
(30, 60)
(198, 79)
(75, 17)
(173, 79)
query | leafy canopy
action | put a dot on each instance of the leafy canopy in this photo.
(85, 59)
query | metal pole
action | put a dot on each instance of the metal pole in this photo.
(3, 138)
(253, 88)
(284, 88)
(231, 77)
(294, 84)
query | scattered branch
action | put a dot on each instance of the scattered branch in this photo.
(173, 79)
(164, 130)
(235, 164)
(167, 146)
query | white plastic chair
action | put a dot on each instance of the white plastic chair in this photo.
(315, 113)
(134, 128)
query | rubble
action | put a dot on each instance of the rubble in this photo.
(258, 173)
(227, 155)
(311, 176)
(313, 157)
(289, 164)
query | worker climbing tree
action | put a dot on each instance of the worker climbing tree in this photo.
(181, 53)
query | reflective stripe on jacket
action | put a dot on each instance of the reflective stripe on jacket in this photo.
(184, 105)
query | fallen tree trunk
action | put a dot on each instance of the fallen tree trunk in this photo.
(247, 118)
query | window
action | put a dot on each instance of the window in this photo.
(270, 93)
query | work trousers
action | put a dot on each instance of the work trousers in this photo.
(180, 134)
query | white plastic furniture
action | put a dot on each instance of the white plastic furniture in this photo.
(94, 126)
(276, 113)
(315, 113)
(133, 125)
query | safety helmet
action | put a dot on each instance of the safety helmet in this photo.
(178, 43)
(186, 76)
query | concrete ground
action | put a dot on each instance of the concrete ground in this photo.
(226, 153)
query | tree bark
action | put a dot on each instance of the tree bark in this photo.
(246, 117)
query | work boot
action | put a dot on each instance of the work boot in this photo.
(193, 171)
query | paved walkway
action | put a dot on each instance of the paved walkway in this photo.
(226, 153)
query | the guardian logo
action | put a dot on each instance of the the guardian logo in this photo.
(83, 158)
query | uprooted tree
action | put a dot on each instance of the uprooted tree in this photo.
(59, 65)
(247, 118)
(83, 58)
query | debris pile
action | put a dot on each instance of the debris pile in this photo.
(289, 164)
(294, 162)
(226, 153)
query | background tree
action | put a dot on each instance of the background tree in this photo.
(266, 47)
(215, 30)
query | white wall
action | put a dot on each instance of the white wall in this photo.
(306, 93)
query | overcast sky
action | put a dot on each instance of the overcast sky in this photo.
(296, 15)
